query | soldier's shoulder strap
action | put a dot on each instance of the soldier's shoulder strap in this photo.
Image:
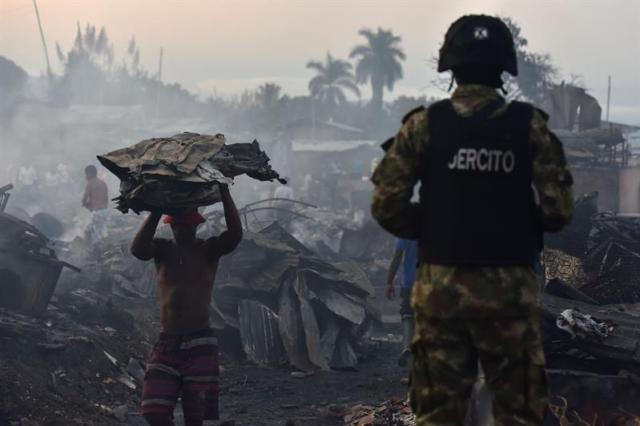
(389, 142)
(412, 112)
(527, 106)
(442, 103)
(542, 113)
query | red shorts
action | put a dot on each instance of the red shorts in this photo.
(183, 365)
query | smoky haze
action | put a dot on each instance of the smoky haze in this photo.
(231, 46)
(244, 69)
(305, 305)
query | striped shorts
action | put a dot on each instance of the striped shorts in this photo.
(186, 366)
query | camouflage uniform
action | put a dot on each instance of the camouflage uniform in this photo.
(466, 314)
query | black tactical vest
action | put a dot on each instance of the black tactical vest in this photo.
(477, 199)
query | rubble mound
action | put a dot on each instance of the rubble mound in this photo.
(613, 259)
(76, 364)
(291, 306)
(389, 413)
(29, 266)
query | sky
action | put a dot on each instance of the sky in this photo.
(225, 46)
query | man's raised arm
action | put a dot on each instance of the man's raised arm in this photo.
(229, 239)
(142, 246)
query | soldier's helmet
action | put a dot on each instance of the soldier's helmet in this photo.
(478, 39)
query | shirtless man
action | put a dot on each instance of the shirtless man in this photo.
(184, 361)
(96, 200)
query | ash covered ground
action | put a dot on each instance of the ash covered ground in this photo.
(306, 334)
(57, 372)
(80, 359)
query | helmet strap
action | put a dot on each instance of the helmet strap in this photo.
(450, 83)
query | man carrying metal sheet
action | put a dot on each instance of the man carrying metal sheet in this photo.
(184, 361)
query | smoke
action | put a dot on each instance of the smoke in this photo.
(52, 127)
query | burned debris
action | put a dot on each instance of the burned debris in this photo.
(182, 171)
(613, 258)
(277, 301)
(590, 312)
(598, 254)
(29, 266)
(70, 361)
(311, 313)
(389, 413)
(304, 306)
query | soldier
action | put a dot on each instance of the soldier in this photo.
(493, 178)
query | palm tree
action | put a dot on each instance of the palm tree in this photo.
(378, 62)
(268, 95)
(333, 77)
(269, 104)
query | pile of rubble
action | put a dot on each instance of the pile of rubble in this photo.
(29, 266)
(274, 298)
(290, 305)
(599, 339)
(599, 254)
(613, 258)
(71, 350)
(590, 312)
(77, 363)
(389, 413)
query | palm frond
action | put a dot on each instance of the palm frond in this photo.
(361, 50)
(348, 83)
(364, 69)
(316, 65)
(397, 52)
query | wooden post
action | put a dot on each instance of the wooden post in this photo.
(44, 43)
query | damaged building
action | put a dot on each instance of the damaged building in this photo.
(599, 151)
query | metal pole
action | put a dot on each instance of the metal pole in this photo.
(313, 119)
(608, 96)
(44, 43)
(160, 65)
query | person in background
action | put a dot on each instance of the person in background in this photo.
(96, 200)
(184, 361)
(406, 253)
(27, 176)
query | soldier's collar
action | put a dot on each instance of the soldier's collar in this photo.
(474, 90)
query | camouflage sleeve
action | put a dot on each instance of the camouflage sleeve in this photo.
(396, 176)
(551, 176)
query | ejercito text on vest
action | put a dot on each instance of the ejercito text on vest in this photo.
(477, 200)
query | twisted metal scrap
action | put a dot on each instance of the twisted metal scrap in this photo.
(182, 171)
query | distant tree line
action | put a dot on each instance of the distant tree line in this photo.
(92, 75)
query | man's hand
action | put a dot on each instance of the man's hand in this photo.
(390, 291)
(142, 246)
(229, 239)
